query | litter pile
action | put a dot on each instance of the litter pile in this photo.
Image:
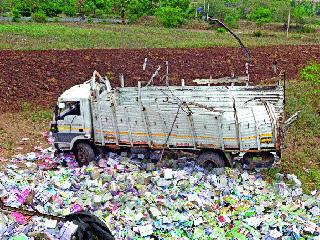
(137, 201)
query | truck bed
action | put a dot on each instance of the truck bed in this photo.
(231, 118)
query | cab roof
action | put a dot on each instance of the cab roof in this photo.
(76, 93)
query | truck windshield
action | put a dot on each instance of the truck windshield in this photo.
(71, 108)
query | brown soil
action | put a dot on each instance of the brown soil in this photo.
(40, 76)
(19, 135)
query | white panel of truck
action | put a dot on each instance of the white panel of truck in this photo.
(180, 119)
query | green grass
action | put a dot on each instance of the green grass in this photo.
(302, 153)
(35, 36)
(35, 114)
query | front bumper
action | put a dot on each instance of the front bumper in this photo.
(62, 146)
(64, 140)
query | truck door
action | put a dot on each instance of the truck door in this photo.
(70, 125)
(70, 119)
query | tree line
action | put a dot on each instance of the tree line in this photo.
(170, 13)
(301, 12)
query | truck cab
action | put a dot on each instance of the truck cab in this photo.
(72, 121)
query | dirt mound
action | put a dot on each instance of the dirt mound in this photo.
(40, 76)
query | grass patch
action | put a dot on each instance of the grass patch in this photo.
(36, 36)
(35, 114)
(8, 144)
(2, 131)
(302, 153)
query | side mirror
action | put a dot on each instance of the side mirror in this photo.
(61, 105)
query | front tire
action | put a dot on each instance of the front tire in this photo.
(84, 154)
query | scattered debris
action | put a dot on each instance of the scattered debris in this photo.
(135, 203)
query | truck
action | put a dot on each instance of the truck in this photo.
(219, 120)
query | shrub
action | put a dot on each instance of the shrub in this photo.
(16, 15)
(231, 21)
(39, 17)
(24, 7)
(309, 29)
(311, 73)
(299, 14)
(70, 11)
(218, 9)
(261, 16)
(221, 30)
(90, 19)
(170, 16)
(257, 34)
(182, 4)
(51, 8)
(150, 21)
(136, 9)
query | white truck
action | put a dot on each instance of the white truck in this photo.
(216, 122)
(220, 121)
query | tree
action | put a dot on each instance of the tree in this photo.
(248, 6)
(280, 10)
(5, 6)
(138, 8)
(91, 6)
(25, 8)
(52, 7)
(299, 14)
(261, 16)
(170, 16)
(133, 9)
(182, 4)
(218, 9)
(70, 8)
(232, 21)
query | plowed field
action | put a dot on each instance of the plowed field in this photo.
(39, 77)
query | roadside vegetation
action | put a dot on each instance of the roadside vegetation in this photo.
(302, 153)
(35, 114)
(35, 36)
(146, 23)
(170, 13)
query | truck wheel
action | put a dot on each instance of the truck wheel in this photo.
(84, 154)
(211, 160)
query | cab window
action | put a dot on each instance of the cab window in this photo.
(70, 108)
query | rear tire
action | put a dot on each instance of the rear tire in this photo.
(84, 154)
(211, 160)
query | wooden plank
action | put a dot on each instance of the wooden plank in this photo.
(221, 80)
